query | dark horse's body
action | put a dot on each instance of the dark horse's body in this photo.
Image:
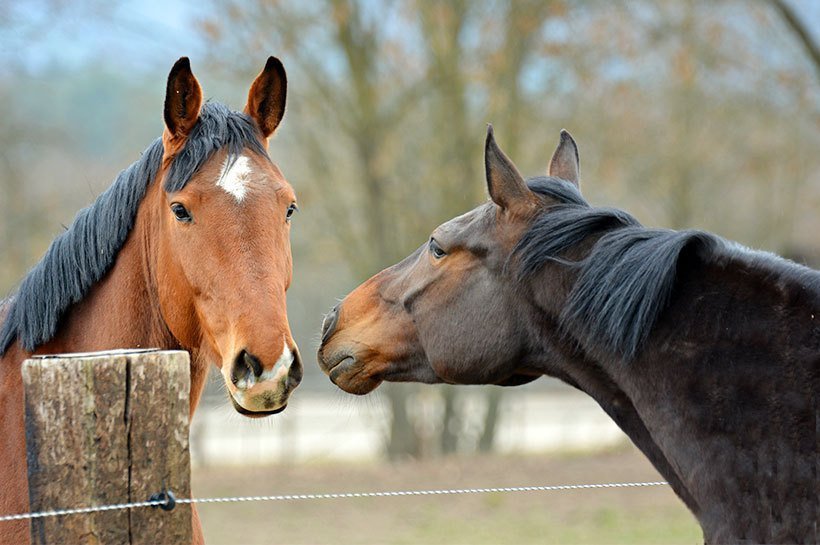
(705, 353)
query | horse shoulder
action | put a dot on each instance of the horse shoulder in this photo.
(13, 475)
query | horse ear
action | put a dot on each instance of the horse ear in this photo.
(506, 185)
(266, 99)
(564, 163)
(183, 100)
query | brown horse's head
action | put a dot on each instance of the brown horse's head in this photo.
(223, 257)
(443, 314)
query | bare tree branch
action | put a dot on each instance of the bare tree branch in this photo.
(800, 30)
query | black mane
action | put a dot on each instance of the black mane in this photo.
(78, 258)
(627, 279)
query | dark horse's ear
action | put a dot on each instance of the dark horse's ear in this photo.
(506, 185)
(564, 163)
(183, 100)
(266, 99)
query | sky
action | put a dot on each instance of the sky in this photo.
(40, 35)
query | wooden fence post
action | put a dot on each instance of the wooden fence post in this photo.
(105, 428)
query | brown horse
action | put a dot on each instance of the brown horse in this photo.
(188, 249)
(704, 352)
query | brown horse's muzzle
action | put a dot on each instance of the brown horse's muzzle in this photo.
(256, 391)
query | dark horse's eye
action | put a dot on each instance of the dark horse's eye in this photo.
(181, 212)
(291, 209)
(436, 250)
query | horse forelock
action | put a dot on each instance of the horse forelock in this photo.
(627, 279)
(79, 257)
(218, 127)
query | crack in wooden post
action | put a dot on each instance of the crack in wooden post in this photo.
(108, 428)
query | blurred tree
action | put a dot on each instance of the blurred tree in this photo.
(369, 85)
(389, 101)
(801, 31)
(456, 74)
(15, 224)
(347, 94)
(688, 114)
(34, 130)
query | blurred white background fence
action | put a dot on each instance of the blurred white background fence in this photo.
(320, 427)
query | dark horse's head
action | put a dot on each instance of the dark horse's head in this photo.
(449, 312)
(722, 342)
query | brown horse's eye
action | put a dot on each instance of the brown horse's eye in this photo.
(181, 213)
(436, 250)
(291, 209)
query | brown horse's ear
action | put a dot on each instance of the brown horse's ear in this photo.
(506, 185)
(564, 163)
(183, 100)
(266, 99)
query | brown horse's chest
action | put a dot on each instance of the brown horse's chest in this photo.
(13, 478)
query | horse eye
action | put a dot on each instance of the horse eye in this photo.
(181, 213)
(436, 250)
(291, 209)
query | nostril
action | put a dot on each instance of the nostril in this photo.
(252, 363)
(295, 371)
(246, 366)
(238, 372)
(329, 323)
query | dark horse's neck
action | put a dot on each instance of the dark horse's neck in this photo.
(722, 398)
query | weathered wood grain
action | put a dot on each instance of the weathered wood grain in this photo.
(158, 415)
(103, 429)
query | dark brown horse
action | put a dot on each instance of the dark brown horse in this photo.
(189, 248)
(704, 352)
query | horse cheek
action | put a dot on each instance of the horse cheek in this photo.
(176, 299)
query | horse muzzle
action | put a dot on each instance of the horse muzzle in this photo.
(256, 391)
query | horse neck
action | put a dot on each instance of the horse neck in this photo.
(721, 392)
(724, 387)
(560, 355)
(123, 310)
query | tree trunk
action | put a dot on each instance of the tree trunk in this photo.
(403, 441)
(487, 440)
(450, 421)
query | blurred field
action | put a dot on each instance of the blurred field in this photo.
(650, 515)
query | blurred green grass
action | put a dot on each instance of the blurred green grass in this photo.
(645, 515)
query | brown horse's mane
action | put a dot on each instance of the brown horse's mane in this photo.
(628, 278)
(79, 257)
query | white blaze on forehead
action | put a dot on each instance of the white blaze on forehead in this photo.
(235, 176)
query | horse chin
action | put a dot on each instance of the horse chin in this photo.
(348, 374)
(255, 414)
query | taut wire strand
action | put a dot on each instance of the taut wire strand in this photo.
(332, 496)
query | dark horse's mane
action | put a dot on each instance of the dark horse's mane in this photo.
(628, 278)
(79, 258)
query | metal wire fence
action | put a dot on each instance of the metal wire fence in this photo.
(167, 501)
